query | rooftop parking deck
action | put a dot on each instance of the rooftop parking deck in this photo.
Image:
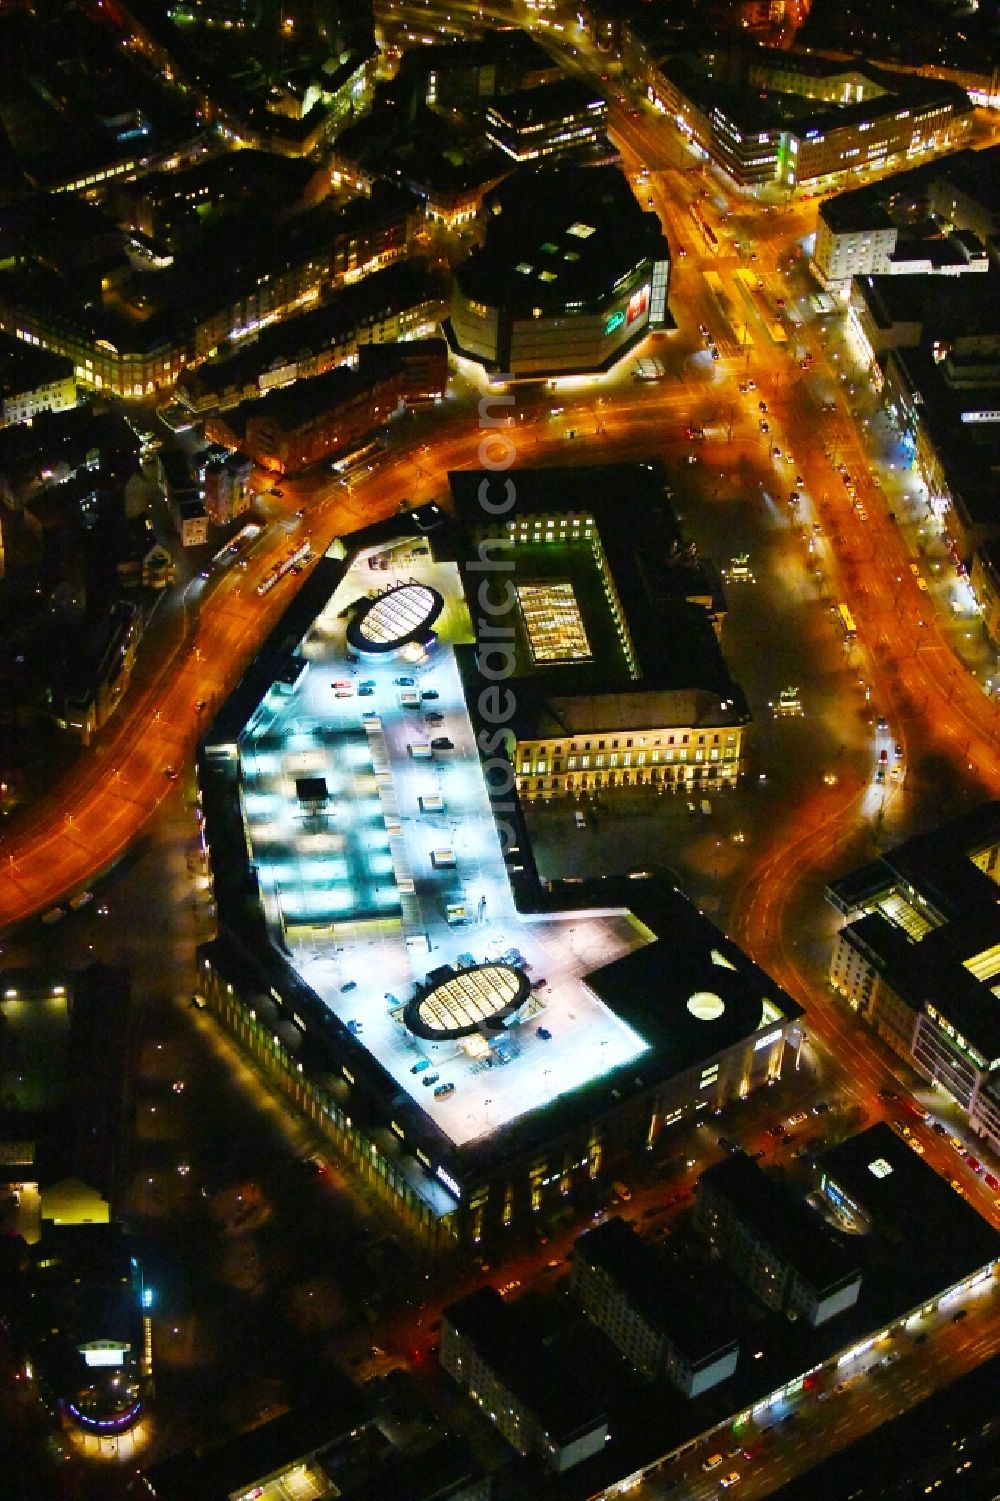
(397, 870)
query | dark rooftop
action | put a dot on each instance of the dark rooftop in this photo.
(251, 1457)
(902, 1203)
(575, 229)
(670, 1302)
(508, 1342)
(23, 367)
(862, 209)
(782, 1220)
(548, 102)
(657, 989)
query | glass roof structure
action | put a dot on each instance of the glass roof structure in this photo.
(404, 613)
(470, 999)
(553, 622)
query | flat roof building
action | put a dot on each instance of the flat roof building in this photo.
(769, 115)
(779, 1247)
(486, 1066)
(659, 1319)
(919, 958)
(614, 635)
(555, 120)
(922, 1253)
(491, 1350)
(937, 218)
(570, 275)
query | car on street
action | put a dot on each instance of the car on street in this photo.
(429, 1079)
(991, 1180)
(888, 1094)
(797, 1118)
(730, 1479)
(712, 1462)
(420, 1065)
(765, 426)
(821, 1107)
(443, 1091)
(973, 1162)
(543, 1033)
(441, 742)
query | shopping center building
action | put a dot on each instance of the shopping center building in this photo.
(571, 274)
(765, 115)
(479, 1059)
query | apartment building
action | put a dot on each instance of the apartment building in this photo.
(658, 1319)
(491, 1350)
(776, 1245)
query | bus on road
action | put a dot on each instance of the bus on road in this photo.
(847, 625)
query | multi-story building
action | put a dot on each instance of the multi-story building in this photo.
(134, 340)
(597, 588)
(878, 1198)
(491, 1350)
(329, 1447)
(571, 275)
(783, 1250)
(540, 1088)
(659, 1319)
(33, 381)
(733, 106)
(855, 236)
(295, 426)
(934, 219)
(227, 492)
(947, 412)
(919, 958)
(88, 690)
(400, 303)
(554, 120)
(984, 580)
(461, 76)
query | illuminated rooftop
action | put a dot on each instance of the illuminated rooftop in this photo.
(389, 893)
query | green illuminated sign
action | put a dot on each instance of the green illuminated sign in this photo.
(615, 321)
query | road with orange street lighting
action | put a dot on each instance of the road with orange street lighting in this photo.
(854, 553)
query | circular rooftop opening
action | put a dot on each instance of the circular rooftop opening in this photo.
(399, 616)
(706, 1005)
(467, 1000)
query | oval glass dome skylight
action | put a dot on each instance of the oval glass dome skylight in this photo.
(399, 616)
